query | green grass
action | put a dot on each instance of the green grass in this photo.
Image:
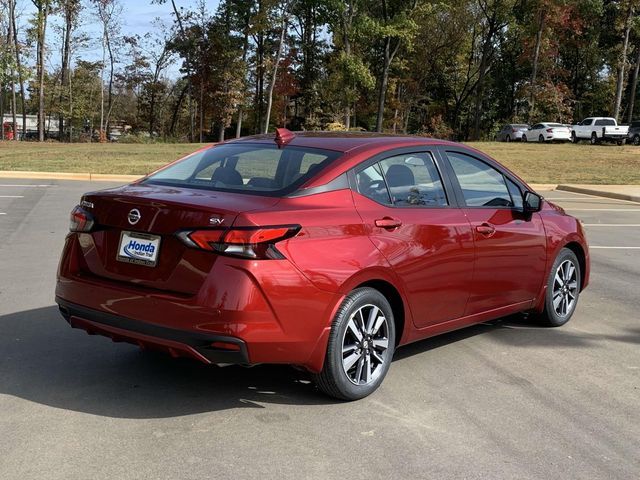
(568, 163)
(128, 159)
(557, 163)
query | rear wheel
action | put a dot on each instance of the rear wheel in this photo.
(541, 139)
(361, 346)
(508, 138)
(524, 138)
(563, 290)
(574, 139)
(594, 138)
(636, 140)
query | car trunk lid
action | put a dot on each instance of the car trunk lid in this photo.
(155, 213)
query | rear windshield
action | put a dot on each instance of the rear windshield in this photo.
(606, 122)
(555, 125)
(248, 168)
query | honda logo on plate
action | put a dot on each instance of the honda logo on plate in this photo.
(134, 216)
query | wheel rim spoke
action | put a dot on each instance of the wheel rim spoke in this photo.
(354, 330)
(373, 315)
(351, 360)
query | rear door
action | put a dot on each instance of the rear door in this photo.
(412, 218)
(510, 247)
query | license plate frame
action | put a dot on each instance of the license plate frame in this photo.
(144, 255)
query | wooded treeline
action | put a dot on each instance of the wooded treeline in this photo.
(452, 68)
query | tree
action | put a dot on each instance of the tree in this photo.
(43, 9)
(70, 12)
(108, 13)
(284, 15)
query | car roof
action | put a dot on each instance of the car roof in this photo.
(344, 141)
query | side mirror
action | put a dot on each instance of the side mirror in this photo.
(532, 202)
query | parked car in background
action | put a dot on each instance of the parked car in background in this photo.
(547, 132)
(634, 133)
(511, 132)
(322, 250)
(599, 129)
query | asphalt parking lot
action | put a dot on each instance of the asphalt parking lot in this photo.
(503, 400)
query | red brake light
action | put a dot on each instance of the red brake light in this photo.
(81, 220)
(245, 242)
(549, 130)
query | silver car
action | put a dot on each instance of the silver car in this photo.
(512, 132)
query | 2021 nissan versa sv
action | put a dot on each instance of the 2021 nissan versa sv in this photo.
(325, 251)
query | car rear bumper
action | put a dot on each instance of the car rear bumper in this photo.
(203, 347)
(269, 308)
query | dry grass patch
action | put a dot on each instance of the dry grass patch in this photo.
(536, 163)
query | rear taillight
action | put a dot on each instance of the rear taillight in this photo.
(244, 242)
(549, 130)
(81, 220)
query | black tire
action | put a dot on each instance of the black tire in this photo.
(550, 316)
(334, 379)
(620, 142)
(574, 139)
(541, 139)
(594, 138)
(508, 138)
(636, 140)
(524, 138)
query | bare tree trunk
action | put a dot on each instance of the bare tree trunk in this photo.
(384, 80)
(534, 68)
(66, 54)
(41, 26)
(274, 73)
(622, 62)
(634, 86)
(13, 85)
(12, 13)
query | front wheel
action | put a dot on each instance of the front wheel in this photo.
(574, 139)
(361, 346)
(563, 290)
(524, 138)
(636, 140)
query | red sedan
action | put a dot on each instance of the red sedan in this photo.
(326, 251)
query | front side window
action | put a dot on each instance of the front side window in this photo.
(246, 168)
(587, 122)
(481, 184)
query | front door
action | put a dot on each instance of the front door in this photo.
(510, 246)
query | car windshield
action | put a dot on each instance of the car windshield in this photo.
(261, 169)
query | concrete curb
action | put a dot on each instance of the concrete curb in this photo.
(91, 177)
(543, 186)
(599, 193)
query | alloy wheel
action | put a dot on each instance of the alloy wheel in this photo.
(365, 345)
(565, 288)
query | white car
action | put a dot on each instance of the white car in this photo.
(547, 132)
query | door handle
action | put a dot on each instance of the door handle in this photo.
(388, 223)
(486, 229)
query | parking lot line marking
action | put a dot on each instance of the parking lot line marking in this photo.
(590, 199)
(611, 224)
(612, 248)
(27, 186)
(603, 209)
(597, 196)
(2, 213)
(11, 196)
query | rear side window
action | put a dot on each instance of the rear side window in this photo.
(481, 184)
(410, 180)
(248, 168)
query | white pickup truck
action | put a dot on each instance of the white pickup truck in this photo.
(598, 129)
